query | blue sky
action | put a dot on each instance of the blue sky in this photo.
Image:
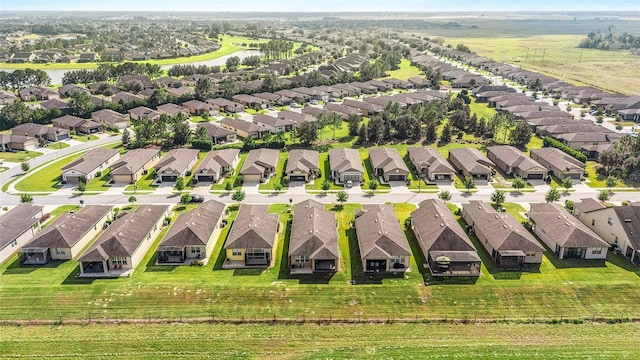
(323, 5)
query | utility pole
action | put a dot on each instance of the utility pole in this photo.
(527, 57)
(580, 59)
(544, 51)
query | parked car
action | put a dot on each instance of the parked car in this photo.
(197, 198)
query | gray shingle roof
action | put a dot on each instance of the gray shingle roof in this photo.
(313, 232)
(563, 228)
(379, 233)
(253, 228)
(17, 221)
(91, 160)
(194, 227)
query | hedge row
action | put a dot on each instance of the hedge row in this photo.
(550, 142)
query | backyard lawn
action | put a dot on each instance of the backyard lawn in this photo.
(313, 341)
(560, 288)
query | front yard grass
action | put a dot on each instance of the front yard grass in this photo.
(144, 183)
(595, 180)
(85, 138)
(18, 156)
(233, 179)
(58, 145)
(325, 170)
(99, 183)
(44, 179)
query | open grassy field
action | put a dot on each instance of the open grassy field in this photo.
(405, 72)
(559, 56)
(311, 341)
(570, 289)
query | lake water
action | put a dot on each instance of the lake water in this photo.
(56, 74)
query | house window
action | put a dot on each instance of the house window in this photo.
(302, 259)
(60, 251)
(397, 259)
(597, 250)
(610, 221)
(195, 250)
(236, 252)
(121, 260)
(530, 253)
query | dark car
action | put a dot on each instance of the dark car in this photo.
(197, 198)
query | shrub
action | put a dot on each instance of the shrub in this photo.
(205, 145)
(550, 142)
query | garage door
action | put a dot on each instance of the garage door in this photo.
(251, 178)
(396, 177)
(168, 178)
(297, 178)
(63, 136)
(205, 178)
(536, 176)
(575, 176)
(73, 179)
(354, 178)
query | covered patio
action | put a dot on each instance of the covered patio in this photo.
(34, 256)
(454, 263)
(510, 259)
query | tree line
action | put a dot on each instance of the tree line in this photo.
(20, 79)
(609, 41)
(111, 72)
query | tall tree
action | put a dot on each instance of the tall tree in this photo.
(521, 134)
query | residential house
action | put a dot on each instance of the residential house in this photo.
(383, 245)
(346, 165)
(343, 110)
(302, 165)
(295, 118)
(54, 104)
(216, 165)
(365, 108)
(313, 247)
(219, 135)
(506, 240)
(125, 97)
(45, 133)
(143, 112)
(513, 162)
(252, 102)
(69, 89)
(619, 226)
(565, 235)
(274, 99)
(9, 142)
(197, 107)
(471, 162)
(226, 105)
(17, 227)
(180, 91)
(79, 125)
(7, 98)
(88, 57)
(388, 165)
(192, 235)
(259, 165)
(173, 110)
(251, 238)
(430, 165)
(444, 244)
(558, 163)
(245, 129)
(133, 165)
(89, 165)
(22, 58)
(38, 93)
(176, 163)
(111, 119)
(277, 124)
(578, 141)
(119, 250)
(66, 237)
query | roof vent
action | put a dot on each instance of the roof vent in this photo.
(627, 220)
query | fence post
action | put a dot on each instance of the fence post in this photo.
(534, 318)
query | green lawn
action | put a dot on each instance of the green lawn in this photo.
(46, 178)
(85, 138)
(144, 183)
(325, 170)
(405, 72)
(560, 288)
(58, 145)
(482, 109)
(598, 181)
(19, 156)
(98, 183)
(313, 341)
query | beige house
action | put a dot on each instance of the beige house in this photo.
(514, 162)
(313, 246)
(446, 248)
(17, 227)
(259, 165)
(509, 244)
(388, 165)
(430, 164)
(89, 165)
(10, 142)
(133, 165)
(565, 235)
(617, 225)
(346, 165)
(383, 245)
(66, 237)
(251, 239)
(559, 163)
(217, 164)
(193, 235)
(471, 162)
(302, 165)
(111, 119)
(176, 163)
(118, 251)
